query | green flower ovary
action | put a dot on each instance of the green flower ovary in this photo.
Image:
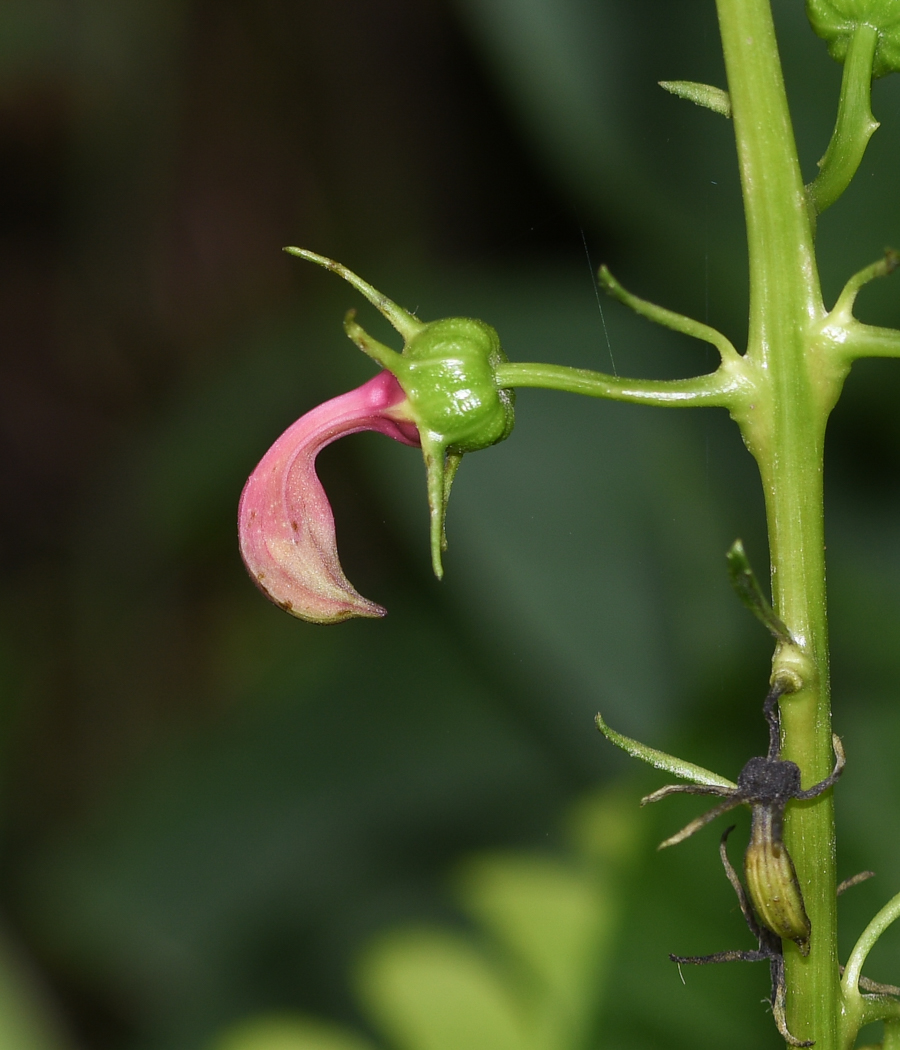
(449, 378)
(835, 20)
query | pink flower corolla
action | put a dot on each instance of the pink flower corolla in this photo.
(286, 526)
(440, 394)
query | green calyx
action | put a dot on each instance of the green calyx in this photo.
(836, 20)
(448, 371)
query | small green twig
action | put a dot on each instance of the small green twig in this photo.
(855, 124)
(848, 339)
(668, 318)
(722, 388)
(888, 914)
(878, 1008)
(864, 340)
(859, 1009)
(843, 308)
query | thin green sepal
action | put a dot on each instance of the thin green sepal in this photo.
(407, 324)
(705, 95)
(451, 466)
(660, 760)
(744, 581)
(436, 474)
(384, 355)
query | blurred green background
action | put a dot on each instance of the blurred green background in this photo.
(211, 811)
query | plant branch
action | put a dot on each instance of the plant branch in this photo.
(859, 1009)
(863, 340)
(879, 1008)
(724, 388)
(891, 1035)
(855, 124)
(848, 338)
(669, 319)
(883, 267)
(888, 914)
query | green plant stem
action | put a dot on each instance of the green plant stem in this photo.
(865, 340)
(858, 1009)
(891, 1035)
(845, 338)
(888, 914)
(785, 431)
(721, 388)
(884, 267)
(668, 318)
(855, 124)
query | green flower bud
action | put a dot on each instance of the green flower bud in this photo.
(448, 372)
(835, 21)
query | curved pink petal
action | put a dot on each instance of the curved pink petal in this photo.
(285, 521)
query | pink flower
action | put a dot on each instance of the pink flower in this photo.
(439, 394)
(285, 522)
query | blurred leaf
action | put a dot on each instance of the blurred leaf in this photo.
(536, 980)
(28, 1018)
(547, 915)
(434, 990)
(288, 1033)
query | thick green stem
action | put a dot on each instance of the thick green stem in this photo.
(785, 431)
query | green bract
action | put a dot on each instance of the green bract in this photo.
(836, 20)
(448, 371)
